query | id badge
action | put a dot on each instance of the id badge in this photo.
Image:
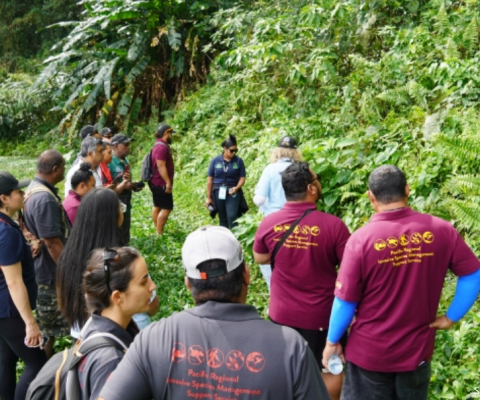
(222, 193)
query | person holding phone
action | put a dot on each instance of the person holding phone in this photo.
(20, 336)
(226, 176)
(120, 166)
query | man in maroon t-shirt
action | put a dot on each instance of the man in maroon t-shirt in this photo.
(161, 183)
(391, 279)
(304, 274)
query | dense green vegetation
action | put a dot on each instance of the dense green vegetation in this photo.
(359, 83)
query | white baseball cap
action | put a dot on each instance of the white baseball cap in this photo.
(211, 243)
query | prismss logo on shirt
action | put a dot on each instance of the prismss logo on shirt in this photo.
(235, 166)
(218, 166)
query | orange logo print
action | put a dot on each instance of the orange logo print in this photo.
(278, 228)
(404, 239)
(286, 227)
(428, 237)
(255, 362)
(296, 230)
(235, 360)
(416, 238)
(178, 352)
(379, 244)
(196, 354)
(315, 230)
(215, 358)
(392, 242)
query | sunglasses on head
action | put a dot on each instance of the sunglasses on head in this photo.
(232, 150)
(109, 255)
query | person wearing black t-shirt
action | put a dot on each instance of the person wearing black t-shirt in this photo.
(226, 176)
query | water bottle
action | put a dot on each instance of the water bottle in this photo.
(335, 365)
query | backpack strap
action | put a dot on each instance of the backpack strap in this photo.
(42, 188)
(58, 374)
(285, 237)
(92, 343)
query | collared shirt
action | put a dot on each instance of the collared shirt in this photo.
(96, 367)
(75, 168)
(118, 167)
(218, 350)
(303, 280)
(71, 204)
(14, 249)
(226, 172)
(43, 217)
(162, 152)
(395, 267)
(270, 186)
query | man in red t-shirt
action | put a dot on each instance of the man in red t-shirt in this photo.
(391, 280)
(304, 274)
(161, 183)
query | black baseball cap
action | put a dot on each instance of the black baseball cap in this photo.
(87, 130)
(287, 142)
(105, 131)
(164, 128)
(120, 138)
(8, 182)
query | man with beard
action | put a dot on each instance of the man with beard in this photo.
(310, 246)
(162, 179)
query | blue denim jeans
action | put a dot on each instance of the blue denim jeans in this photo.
(227, 209)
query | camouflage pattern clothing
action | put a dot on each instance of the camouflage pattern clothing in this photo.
(49, 318)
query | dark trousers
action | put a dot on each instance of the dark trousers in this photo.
(124, 230)
(12, 348)
(360, 384)
(228, 209)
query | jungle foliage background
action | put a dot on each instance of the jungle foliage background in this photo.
(359, 83)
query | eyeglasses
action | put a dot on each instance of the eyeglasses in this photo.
(317, 177)
(109, 255)
(232, 150)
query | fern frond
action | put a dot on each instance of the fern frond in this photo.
(442, 19)
(470, 36)
(464, 184)
(470, 123)
(451, 51)
(417, 92)
(460, 149)
(395, 97)
(468, 214)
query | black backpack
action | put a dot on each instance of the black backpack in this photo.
(146, 170)
(58, 379)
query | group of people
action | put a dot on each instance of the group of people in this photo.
(71, 262)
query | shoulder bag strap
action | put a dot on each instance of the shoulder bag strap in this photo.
(280, 243)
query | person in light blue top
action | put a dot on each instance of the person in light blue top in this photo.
(269, 194)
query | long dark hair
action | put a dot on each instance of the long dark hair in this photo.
(94, 282)
(95, 227)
